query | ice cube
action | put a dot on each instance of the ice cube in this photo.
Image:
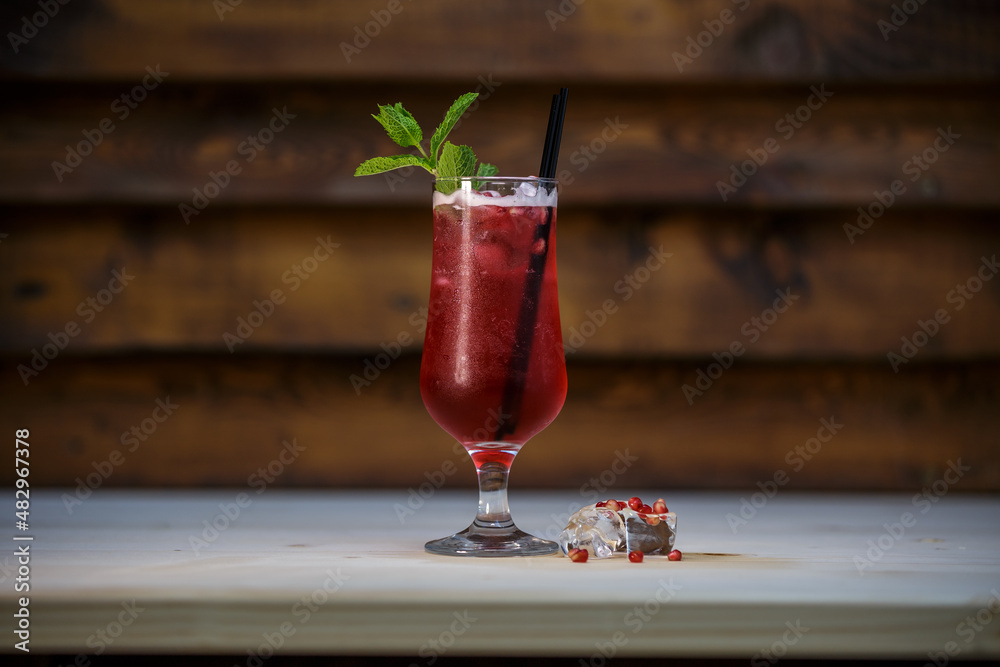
(653, 534)
(604, 532)
(528, 189)
(598, 530)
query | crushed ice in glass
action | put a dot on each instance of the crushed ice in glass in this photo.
(604, 532)
(528, 189)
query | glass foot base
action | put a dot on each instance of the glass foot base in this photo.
(491, 542)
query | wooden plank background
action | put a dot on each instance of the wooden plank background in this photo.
(633, 40)
(646, 145)
(857, 142)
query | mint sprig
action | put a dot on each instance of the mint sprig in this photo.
(400, 124)
(445, 159)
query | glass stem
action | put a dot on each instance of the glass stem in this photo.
(493, 511)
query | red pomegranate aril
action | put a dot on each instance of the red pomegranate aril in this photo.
(675, 555)
(635, 503)
(600, 503)
(578, 555)
(613, 505)
(660, 507)
(635, 556)
(645, 509)
(652, 520)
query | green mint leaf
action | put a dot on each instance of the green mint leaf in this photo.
(486, 170)
(455, 162)
(377, 165)
(458, 108)
(400, 124)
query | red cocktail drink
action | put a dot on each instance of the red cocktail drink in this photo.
(493, 372)
(482, 255)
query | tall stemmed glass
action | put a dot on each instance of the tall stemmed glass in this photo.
(493, 372)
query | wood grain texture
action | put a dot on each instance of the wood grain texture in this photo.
(447, 39)
(647, 150)
(191, 285)
(621, 143)
(626, 424)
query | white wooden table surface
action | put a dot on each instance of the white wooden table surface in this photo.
(339, 573)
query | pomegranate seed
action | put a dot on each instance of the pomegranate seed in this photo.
(635, 503)
(578, 555)
(635, 556)
(660, 507)
(675, 555)
(613, 505)
(600, 503)
(645, 509)
(652, 520)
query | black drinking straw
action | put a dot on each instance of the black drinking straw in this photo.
(521, 353)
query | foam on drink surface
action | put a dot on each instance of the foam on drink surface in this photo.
(527, 194)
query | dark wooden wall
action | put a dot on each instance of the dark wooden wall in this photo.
(648, 138)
